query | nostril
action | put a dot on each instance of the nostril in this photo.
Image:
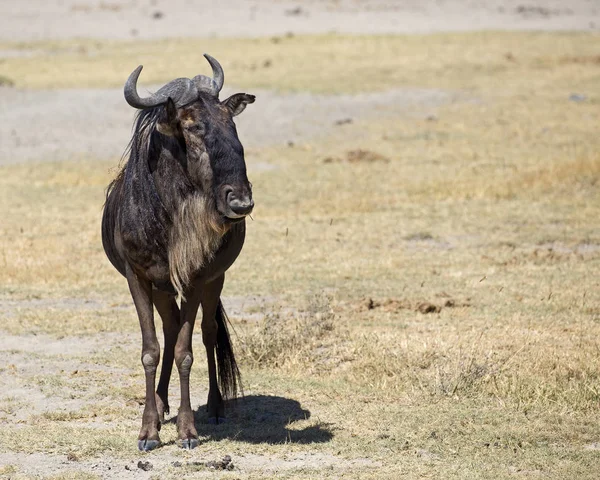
(241, 207)
(229, 195)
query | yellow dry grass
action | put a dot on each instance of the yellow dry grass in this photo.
(324, 63)
(488, 212)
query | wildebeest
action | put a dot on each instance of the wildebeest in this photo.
(173, 223)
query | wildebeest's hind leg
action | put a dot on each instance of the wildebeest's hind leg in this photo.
(141, 291)
(169, 313)
(184, 359)
(216, 337)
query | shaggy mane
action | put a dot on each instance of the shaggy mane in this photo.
(196, 232)
(194, 238)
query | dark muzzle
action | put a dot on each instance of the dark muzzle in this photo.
(241, 205)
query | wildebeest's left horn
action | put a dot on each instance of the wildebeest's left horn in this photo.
(181, 91)
(211, 85)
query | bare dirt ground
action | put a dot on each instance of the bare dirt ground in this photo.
(38, 19)
(54, 125)
(62, 384)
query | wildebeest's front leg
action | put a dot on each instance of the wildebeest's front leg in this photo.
(169, 312)
(184, 359)
(210, 302)
(141, 291)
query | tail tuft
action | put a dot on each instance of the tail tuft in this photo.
(228, 372)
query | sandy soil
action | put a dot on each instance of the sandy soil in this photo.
(106, 467)
(55, 125)
(41, 19)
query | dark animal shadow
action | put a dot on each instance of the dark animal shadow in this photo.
(262, 419)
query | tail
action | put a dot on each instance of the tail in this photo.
(229, 373)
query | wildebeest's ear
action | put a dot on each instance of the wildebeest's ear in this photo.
(168, 123)
(237, 103)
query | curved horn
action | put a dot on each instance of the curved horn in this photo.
(181, 91)
(211, 85)
(218, 75)
(131, 95)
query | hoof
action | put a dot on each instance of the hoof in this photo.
(189, 443)
(216, 420)
(147, 445)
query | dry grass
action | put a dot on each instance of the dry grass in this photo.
(489, 212)
(331, 63)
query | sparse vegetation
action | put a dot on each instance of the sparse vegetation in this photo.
(6, 81)
(479, 61)
(487, 212)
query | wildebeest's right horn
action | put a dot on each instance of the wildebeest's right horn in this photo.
(218, 75)
(182, 91)
(211, 85)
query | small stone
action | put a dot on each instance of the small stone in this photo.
(294, 11)
(145, 466)
(427, 307)
(577, 97)
(343, 121)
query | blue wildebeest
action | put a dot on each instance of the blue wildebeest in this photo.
(173, 223)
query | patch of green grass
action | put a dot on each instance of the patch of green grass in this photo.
(6, 81)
